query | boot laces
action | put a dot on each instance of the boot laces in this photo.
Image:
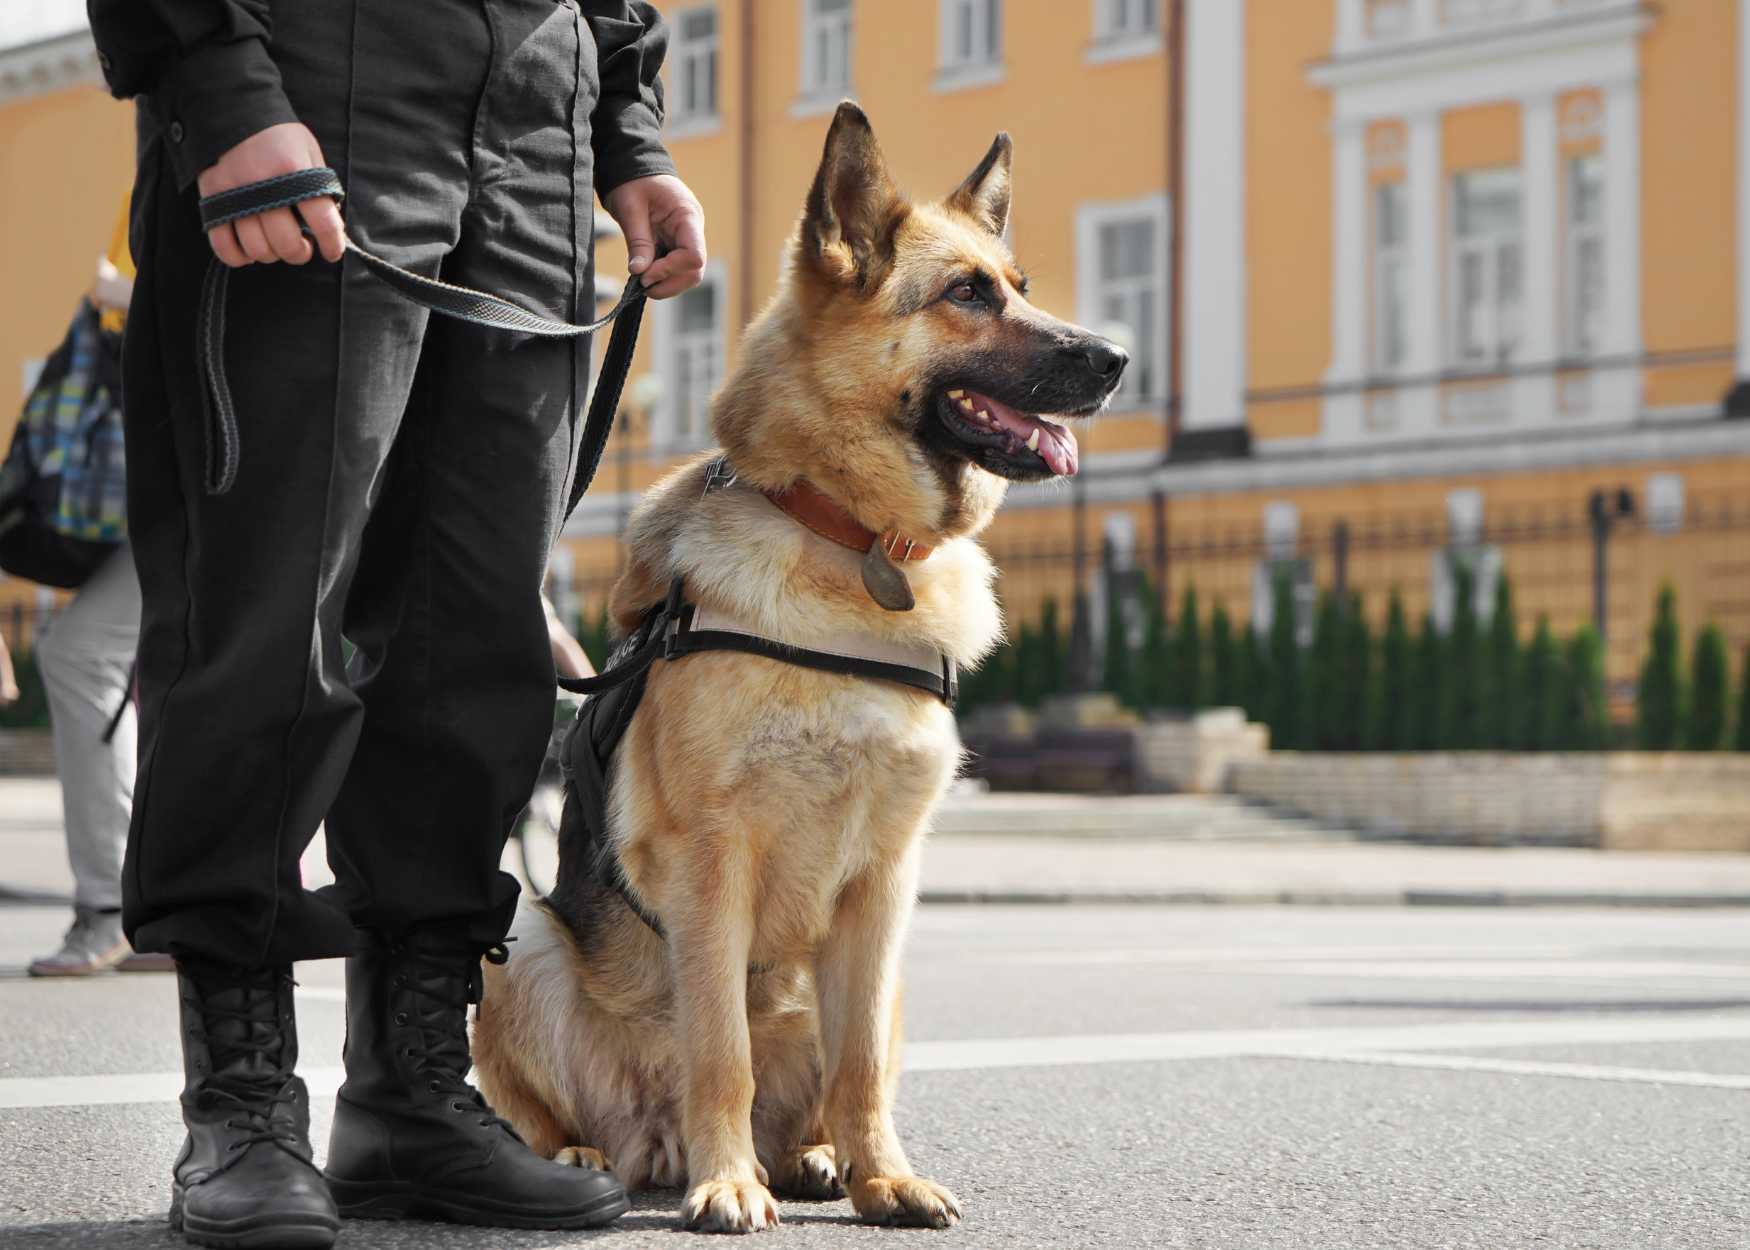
(248, 1067)
(441, 1052)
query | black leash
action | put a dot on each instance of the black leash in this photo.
(446, 299)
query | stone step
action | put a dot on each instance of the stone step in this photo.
(1152, 817)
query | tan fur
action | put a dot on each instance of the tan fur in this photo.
(773, 815)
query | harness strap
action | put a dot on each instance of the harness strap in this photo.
(459, 302)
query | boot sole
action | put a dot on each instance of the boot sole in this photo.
(256, 1232)
(363, 1200)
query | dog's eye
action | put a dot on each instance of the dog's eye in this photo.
(965, 293)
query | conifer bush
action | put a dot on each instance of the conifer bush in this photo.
(1224, 660)
(1705, 726)
(1390, 725)
(1501, 707)
(1188, 685)
(1659, 701)
(1285, 696)
(1741, 732)
(1585, 723)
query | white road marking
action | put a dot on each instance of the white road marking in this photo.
(1356, 1044)
(1527, 1067)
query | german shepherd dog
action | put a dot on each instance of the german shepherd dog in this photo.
(771, 815)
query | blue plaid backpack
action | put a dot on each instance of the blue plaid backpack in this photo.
(63, 504)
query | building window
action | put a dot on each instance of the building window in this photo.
(1486, 270)
(1391, 277)
(1122, 265)
(1583, 317)
(1126, 19)
(692, 95)
(695, 360)
(972, 33)
(826, 47)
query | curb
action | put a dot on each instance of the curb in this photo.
(1317, 898)
(20, 896)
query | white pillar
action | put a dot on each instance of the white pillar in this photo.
(1342, 415)
(1621, 392)
(1424, 19)
(1426, 194)
(1541, 276)
(1351, 25)
(1743, 189)
(1213, 333)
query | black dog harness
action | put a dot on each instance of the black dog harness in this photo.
(674, 630)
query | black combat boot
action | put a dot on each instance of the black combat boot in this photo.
(411, 1137)
(245, 1176)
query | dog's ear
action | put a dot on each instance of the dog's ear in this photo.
(854, 206)
(984, 196)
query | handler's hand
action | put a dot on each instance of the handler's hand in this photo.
(273, 235)
(661, 210)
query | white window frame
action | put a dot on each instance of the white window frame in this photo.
(668, 429)
(1387, 19)
(1124, 30)
(814, 88)
(1389, 259)
(1479, 12)
(955, 71)
(1091, 291)
(686, 119)
(1576, 234)
(1490, 248)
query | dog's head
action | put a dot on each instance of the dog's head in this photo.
(930, 378)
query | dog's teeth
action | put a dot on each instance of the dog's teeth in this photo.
(966, 404)
(1033, 441)
(955, 394)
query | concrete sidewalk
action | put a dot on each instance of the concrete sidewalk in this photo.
(1168, 849)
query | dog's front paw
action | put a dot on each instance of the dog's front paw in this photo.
(904, 1200)
(729, 1207)
(810, 1174)
(586, 1157)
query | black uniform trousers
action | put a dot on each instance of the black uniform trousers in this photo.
(402, 480)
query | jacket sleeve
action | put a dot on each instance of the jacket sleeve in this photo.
(626, 127)
(202, 65)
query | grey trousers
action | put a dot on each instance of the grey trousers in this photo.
(86, 657)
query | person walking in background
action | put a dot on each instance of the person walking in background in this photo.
(399, 484)
(86, 660)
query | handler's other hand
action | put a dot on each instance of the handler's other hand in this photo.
(660, 210)
(273, 235)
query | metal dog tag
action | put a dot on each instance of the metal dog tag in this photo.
(885, 581)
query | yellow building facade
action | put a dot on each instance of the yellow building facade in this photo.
(1405, 281)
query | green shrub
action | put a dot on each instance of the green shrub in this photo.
(1029, 688)
(1390, 721)
(1285, 698)
(1659, 701)
(1585, 711)
(1156, 676)
(1188, 689)
(1705, 726)
(1428, 698)
(1053, 652)
(1324, 677)
(1224, 660)
(1252, 668)
(1501, 708)
(1462, 703)
(1357, 675)
(1741, 737)
(1541, 692)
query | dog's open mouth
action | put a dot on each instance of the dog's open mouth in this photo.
(1015, 441)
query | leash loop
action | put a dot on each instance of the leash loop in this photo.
(462, 303)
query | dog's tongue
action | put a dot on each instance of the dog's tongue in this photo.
(1057, 446)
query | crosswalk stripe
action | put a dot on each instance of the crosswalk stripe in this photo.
(1361, 1045)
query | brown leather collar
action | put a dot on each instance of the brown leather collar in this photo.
(809, 506)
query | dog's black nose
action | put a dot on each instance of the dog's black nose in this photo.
(1107, 360)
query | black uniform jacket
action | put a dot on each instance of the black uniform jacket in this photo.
(206, 67)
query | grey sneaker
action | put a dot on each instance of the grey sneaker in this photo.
(94, 944)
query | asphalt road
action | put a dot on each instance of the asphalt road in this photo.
(1222, 1077)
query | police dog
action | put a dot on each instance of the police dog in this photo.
(772, 816)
